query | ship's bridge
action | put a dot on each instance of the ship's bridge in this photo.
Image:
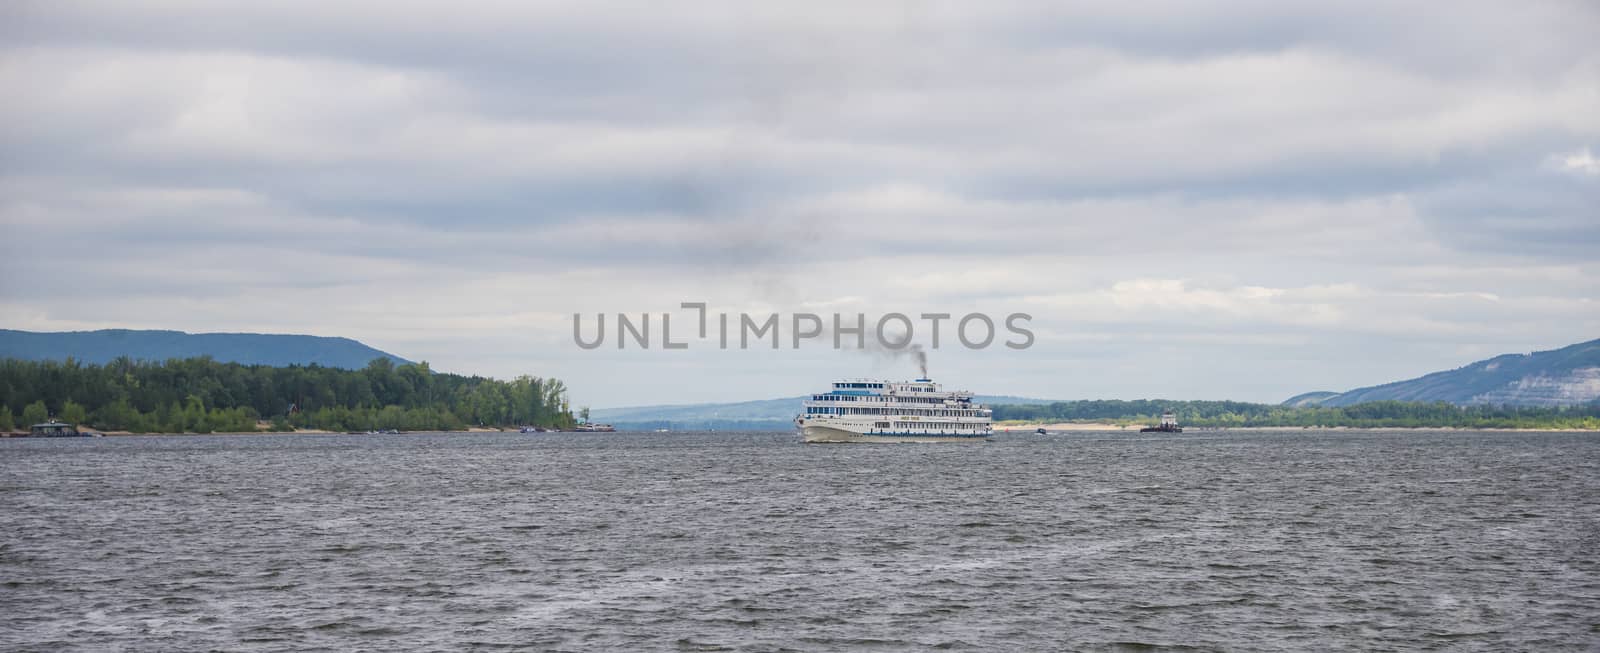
(858, 387)
(914, 387)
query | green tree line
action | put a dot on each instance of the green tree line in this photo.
(1368, 415)
(201, 395)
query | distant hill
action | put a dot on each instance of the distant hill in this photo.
(1561, 377)
(1309, 399)
(761, 413)
(248, 348)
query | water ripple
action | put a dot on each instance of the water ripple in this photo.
(754, 542)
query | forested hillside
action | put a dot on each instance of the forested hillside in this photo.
(201, 395)
(107, 345)
(1559, 377)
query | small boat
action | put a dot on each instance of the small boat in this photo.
(1041, 431)
(55, 429)
(1169, 424)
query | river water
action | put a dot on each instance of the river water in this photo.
(1272, 541)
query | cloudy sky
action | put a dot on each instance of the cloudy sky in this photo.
(1236, 200)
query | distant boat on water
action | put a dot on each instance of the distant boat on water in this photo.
(1169, 424)
(55, 429)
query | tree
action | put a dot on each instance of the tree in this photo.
(116, 416)
(35, 413)
(194, 415)
(73, 412)
(6, 423)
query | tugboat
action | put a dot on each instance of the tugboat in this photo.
(594, 427)
(1169, 424)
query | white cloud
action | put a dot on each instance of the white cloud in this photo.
(1581, 162)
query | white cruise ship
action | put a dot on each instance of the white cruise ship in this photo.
(867, 410)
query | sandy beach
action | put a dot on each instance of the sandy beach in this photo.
(1062, 426)
(1101, 426)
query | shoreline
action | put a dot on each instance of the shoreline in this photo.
(1007, 428)
(1134, 428)
(119, 434)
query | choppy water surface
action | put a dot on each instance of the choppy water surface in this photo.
(1236, 541)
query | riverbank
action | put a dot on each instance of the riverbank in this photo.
(475, 429)
(999, 429)
(1030, 427)
(1060, 426)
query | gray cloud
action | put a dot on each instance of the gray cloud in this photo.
(1257, 188)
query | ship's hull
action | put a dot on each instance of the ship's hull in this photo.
(827, 434)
